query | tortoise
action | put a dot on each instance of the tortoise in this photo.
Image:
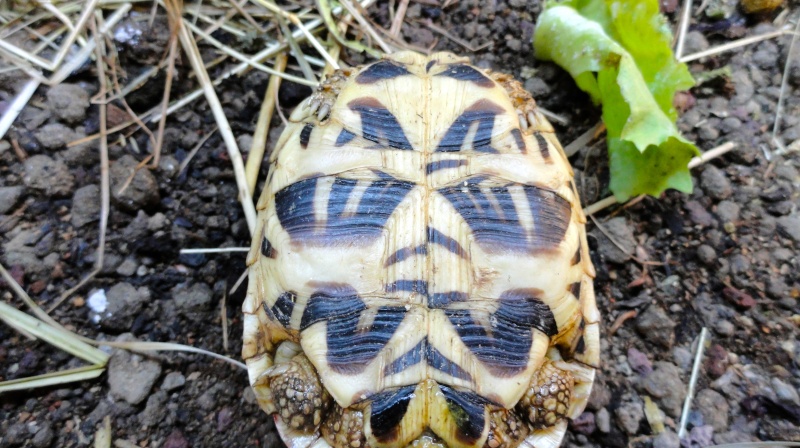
(419, 273)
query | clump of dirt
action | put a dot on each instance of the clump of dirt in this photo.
(724, 257)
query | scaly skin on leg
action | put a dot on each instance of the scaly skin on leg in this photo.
(506, 429)
(530, 119)
(547, 399)
(299, 396)
(344, 428)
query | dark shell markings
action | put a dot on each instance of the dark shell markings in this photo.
(420, 273)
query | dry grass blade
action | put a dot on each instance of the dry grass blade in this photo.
(193, 54)
(53, 379)
(137, 346)
(13, 110)
(782, 96)
(215, 250)
(687, 404)
(397, 22)
(56, 336)
(105, 184)
(264, 54)
(194, 151)
(683, 26)
(365, 25)
(248, 60)
(223, 315)
(66, 44)
(428, 23)
(583, 140)
(174, 9)
(296, 22)
(102, 437)
(324, 7)
(259, 146)
(302, 59)
(734, 45)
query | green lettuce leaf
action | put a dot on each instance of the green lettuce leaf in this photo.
(618, 51)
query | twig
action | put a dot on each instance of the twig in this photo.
(296, 21)
(194, 151)
(552, 116)
(266, 53)
(735, 44)
(239, 281)
(174, 17)
(456, 39)
(583, 140)
(215, 250)
(248, 60)
(695, 162)
(712, 153)
(105, 196)
(682, 27)
(256, 155)
(784, 80)
(687, 404)
(193, 54)
(397, 23)
(365, 25)
(223, 315)
(621, 320)
(17, 105)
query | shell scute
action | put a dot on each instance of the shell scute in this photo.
(421, 245)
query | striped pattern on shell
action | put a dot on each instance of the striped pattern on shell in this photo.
(420, 275)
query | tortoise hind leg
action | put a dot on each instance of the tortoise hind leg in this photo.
(547, 400)
(298, 394)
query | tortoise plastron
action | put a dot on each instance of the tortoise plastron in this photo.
(419, 274)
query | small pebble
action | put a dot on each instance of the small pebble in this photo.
(603, 420)
(706, 254)
(173, 380)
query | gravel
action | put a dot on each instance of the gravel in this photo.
(55, 136)
(790, 226)
(172, 381)
(141, 193)
(131, 376)
(192, 299)
(603, 420)
(785, 391)
(43, 437)
(713, 407)
(621, 233)
(629, 415)
(124, 304)
(707, 254)
(728, 211)
(85, 205)
(655, 325)
(9, 197)
(667, 439)
(715, 183)
(68, 102)
(48, 175)
(666, 386)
